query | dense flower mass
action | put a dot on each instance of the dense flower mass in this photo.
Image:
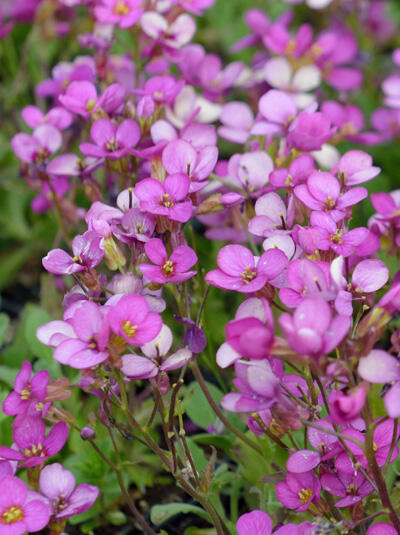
(156, 158)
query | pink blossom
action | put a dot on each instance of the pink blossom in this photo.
(310, 131)
(168, 269)
(33, 447)
(88, 251)
(322, 192)
(132, 320)
(155, 361)
(168, 198)
(81, 339)
(351, 488)
(125, 13)
(346, 407)
(29, 394)
(254, 523)
(20, 509)
(175, 35)
(240, 270)
(272, 216)
(237, 119)
(297, 173)
(298, 491)
(66, 500)
(38, 147)
(57, 117)
(111, 141)
(312, 330)
(382, 528)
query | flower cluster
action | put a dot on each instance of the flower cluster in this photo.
(140, 139)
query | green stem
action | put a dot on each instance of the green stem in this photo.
(199, 377)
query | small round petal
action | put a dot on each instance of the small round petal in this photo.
(303, 461)
(254, 523)
(379, 367)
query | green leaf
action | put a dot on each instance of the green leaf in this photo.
(161, 513)
(7, 375)
(197, 407)
(116, 518)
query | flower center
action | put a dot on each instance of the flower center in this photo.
(35, 451)
(248, 275)
(305, 495)
(26, 393)
(112, 145)
(41, 156)
(330, 203)
(129, 329)
(90, 104)
(168, 268)
(352, 490)
(140, 228)
(166, 201)
(13, 514)
(337, 237)
(121, 8)
(158, 94)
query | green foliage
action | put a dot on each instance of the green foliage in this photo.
(161, 513)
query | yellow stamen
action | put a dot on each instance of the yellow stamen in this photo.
(168, 268)
(305, 495)
(129, 329)
(12, 514)
(121, 8)
(248, 275)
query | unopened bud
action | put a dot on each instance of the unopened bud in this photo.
(113, 256)
(211, 205)
(88, 433)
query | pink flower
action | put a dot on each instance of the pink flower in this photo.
(175, 35)
(131, 319)
(57, 117)
(254, 523)
(32, 446)
(125, 13)
(154, 361)
(298, 491)
(38, 147)
(166, 198)
(272, 216)
(352, 488)
(240, 270)
(312, 331)
(81, 340)
(58, 485)
(310, 131)
(29, 394)
(346, 407)
(20, 510)
(323, 193)
(298, 172)
(88, 251)
(382, 528)
(169, 269)
(111, 141)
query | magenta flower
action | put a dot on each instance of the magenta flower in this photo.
(134, 225)
(298, 491)
(29, 394)
(272, 216)
(278, 109)
(258, 386)
(88, 251)
(245, 337)
(254, 523)
(81, 340)
(240, 270)
(355, 166)
(324, 442)
(310, 131)
(346, 407)
(305, 278)
(33, 447)
(20, 509)
(323, 193)
(57, 117)
(168, 269)
(298, 172)
(111, 141)
(131, 319)
(80, 97)
(175, 35)
(38, 147)
(181, 157)
(325, 235)
(351, 488)
(166, 198)
(250, 170)
(58, 485)
(125, 13)
(311, 330)
(155, 361)
(303, 461)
